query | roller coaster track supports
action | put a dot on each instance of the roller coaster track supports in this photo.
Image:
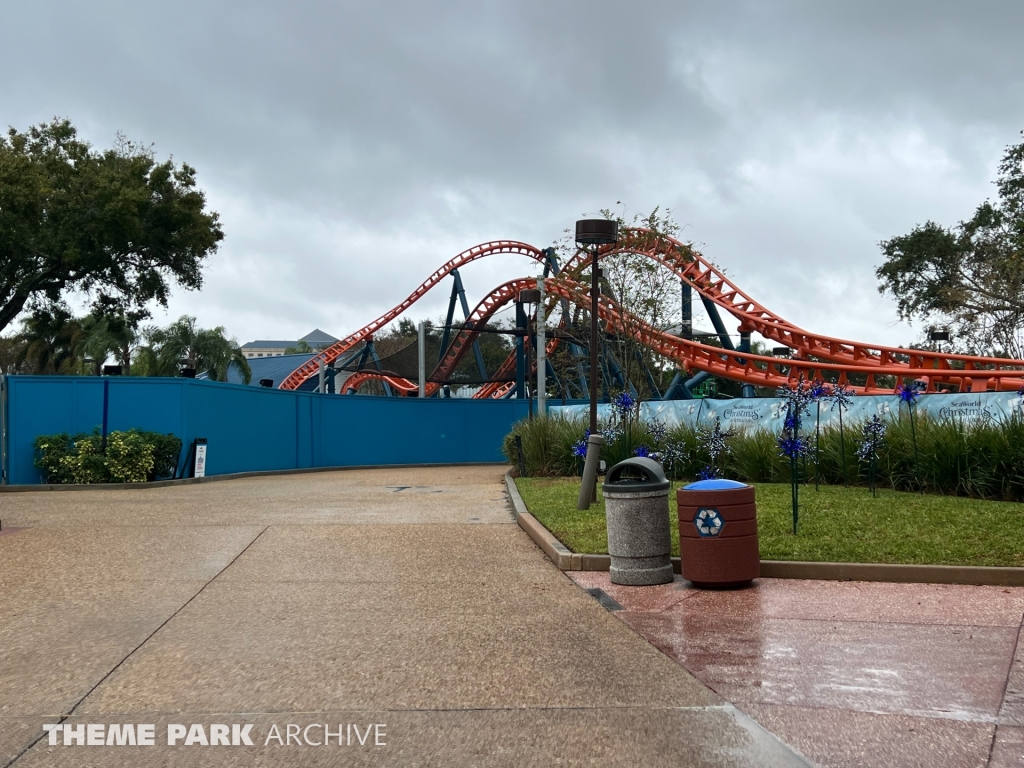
(655, 392)
(686, 331)
(551, 265)
(362, 353)
(677, 389)
(747, 389)
(459, 293)
(614, 369)
(716, 320)
(376, 361)
(520, 351)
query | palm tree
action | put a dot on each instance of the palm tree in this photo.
(205, 350)
(50, 342)
(112, 335)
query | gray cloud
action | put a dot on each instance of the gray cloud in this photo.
(351, 148)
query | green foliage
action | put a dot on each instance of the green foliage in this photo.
(50, 451)
(129, 457)
(166, 452)
(207, 350)
(132, 456)
(970, 276)
(952, 458)
(114, 223)
(50, 341)
(547, 446)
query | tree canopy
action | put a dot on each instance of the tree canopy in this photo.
(969, 277)
(115, 224)
(206, 350)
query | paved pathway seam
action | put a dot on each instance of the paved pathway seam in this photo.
(1002, 701)
(149, 637)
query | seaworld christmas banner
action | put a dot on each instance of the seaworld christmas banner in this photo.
(768, 413)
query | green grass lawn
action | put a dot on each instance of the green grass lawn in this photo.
(837, 524)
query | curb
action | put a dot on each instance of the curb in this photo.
(229, 476)
(567, 560)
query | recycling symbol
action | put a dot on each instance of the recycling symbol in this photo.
(708, 522)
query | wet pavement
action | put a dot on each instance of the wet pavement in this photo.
(850, 673)
(324, 602)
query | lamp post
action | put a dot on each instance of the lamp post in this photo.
(594, 233)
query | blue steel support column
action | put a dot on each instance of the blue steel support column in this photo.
(459, 293)
(376, 360)
(748, 389)
(716, 320)
(465, 313)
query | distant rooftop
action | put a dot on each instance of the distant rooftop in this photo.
(274, 368)
(315, 338)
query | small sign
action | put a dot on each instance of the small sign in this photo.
(200, 458)
(708, 522)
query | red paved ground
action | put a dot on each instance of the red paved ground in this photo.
(852, 673)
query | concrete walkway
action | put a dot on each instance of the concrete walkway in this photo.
(852, 673)
(401, 598)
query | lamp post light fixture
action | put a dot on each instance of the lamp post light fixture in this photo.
(939, 337)
(593, 233)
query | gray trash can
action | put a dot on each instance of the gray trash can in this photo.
(636, 508)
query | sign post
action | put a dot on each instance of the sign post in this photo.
(199, 468)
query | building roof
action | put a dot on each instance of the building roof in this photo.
(269, 344)
(275, 368)
(316, 337)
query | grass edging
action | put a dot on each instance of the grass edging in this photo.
(566, 560)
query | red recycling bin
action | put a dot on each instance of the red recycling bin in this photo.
(718, 534)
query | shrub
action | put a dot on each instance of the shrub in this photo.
(952, 457)
(131, 457)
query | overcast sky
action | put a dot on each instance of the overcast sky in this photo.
(352, 148)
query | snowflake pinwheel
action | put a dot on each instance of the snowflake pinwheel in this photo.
(907, 394)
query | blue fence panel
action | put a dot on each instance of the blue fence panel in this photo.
(251, 428)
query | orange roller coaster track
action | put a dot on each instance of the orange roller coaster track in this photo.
(329, 355)
(816, 356)
(740, 366)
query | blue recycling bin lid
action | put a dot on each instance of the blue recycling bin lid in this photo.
(717, 484)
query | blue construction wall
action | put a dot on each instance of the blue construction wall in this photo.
(252, 428)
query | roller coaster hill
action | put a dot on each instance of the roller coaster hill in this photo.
(634, 356)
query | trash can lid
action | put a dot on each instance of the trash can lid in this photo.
(636, 475)
(717, 484)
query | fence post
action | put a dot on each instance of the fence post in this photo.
(423, 359)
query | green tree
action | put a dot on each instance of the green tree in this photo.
(116, 224)
(50, 342)
(300, 348)
(11, 358)
(641, 286)
(969, 277)
(113, 334)
(206, 350)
